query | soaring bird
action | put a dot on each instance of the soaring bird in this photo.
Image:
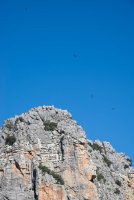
(26, 9)
(74, 55)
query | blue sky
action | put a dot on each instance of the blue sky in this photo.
(76, 55)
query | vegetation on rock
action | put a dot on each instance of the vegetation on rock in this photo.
(57, 177)
(100, 177)
(50, 126)
(107, 161)
(117, 191)
(118, 182)
(97, 147)
(126, 166)
(9, 125)
(10, 140)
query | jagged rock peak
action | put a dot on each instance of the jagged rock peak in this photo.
(39, 152)
(42, 116)
(44, 155)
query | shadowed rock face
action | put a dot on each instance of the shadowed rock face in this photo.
(45, 143)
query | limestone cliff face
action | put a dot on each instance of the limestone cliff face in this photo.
(44, 155)
(48, 137)
(115, 176)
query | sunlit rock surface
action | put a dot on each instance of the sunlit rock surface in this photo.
(75, 168)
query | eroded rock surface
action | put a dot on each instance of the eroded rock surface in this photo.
(44, 155)
(115, 176)
(48, 137)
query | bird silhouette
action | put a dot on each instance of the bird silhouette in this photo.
(91, 96)
(74, 55)
(26, 9)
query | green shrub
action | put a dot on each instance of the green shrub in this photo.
(9, 125)
(126, 166)
(107, 161)
(50, 126)
(57, 177)
(21, 119)
(118, 182)
(100, 177)
(117, 191)
(44, 169)
(96, 147)
(130, 161)
(10, 140)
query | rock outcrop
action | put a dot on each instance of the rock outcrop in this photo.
(44, 155)
(115, 176)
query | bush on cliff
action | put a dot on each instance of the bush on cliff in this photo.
(57, 177)
(100, 176)
(107, 161)
(50, 126)
(96, 147)
(118, 182)
(10, 140)
(9, 125)
(117, 191)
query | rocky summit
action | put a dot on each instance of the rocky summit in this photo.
(45, 155)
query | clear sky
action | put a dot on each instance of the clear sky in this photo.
(76, 55)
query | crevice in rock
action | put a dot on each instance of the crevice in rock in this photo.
(18, 167)
(68, 198)
(61, 147)
(34, 184)
(71, 188)
(104, 148)
(6, 198)
(76, 170)
(92, 178)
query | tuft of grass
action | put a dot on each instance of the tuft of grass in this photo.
(57, 177)
(117, 191)
(10, 140)
(100, 177)
(20, 119)
(9, 125)
(107, 161)
(118, 182)
(50, 126)
(130, 161)
(126, 166)
(97, 147)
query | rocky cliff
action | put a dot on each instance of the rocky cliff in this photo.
(44, 155)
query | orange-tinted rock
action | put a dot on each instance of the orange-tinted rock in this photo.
(51, 192)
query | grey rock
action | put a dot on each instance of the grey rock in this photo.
(91, 170)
